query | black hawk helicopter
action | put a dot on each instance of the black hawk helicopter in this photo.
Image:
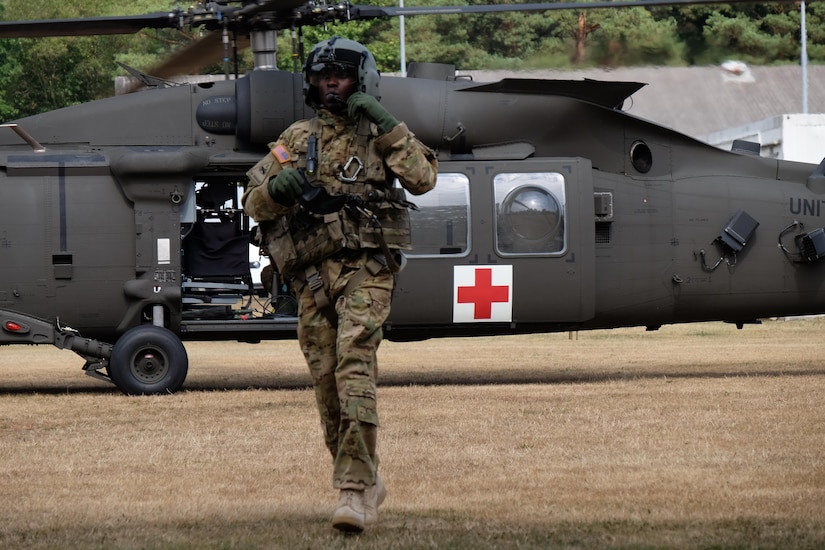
(122, 234)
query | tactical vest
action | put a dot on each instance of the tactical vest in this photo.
(376, 218)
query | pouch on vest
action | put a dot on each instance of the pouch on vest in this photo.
(304, 240)
(393, 226)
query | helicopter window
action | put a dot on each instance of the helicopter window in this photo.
(641, 157)
(530, 213)
(440, 225)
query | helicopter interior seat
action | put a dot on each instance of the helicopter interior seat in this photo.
(216, 249)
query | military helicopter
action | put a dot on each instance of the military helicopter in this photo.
(122, 234)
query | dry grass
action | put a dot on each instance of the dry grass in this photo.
(693, 436)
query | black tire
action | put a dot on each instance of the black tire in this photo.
(148, 360)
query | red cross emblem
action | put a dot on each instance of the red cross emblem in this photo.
(482, 293)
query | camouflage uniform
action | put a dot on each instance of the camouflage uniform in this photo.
(342, 358)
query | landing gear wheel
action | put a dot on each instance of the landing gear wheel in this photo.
(148, 360)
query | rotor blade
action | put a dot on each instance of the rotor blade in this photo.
(195, 56)
(280, 14)
(191, 58)
(367, 12)
(128, 24)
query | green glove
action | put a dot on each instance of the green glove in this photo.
(360, 102)
(286, 187)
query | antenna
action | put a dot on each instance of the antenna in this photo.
(27, 137)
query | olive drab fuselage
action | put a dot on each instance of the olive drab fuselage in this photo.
(97, 228)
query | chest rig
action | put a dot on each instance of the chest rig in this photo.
(349, 203)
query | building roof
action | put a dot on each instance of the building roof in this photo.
(700, 100)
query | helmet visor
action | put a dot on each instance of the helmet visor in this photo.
(325, 71)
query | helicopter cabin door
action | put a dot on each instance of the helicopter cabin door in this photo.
(500, 246)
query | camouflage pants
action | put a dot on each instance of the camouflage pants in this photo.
(342, 362)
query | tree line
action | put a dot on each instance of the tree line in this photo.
(41, 74)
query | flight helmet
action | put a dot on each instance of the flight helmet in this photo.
(342, 55)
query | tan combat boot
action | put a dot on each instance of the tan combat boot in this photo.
(373, 497)
(349, 514)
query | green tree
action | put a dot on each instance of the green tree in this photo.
(634, 37)
(47, 73)
(42, 74)
(757, 34)
(467, 41)
(8, 70)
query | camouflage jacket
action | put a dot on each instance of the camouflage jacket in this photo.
(380, 159)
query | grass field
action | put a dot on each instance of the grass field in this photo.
(696, 436)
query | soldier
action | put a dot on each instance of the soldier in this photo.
(335, 223)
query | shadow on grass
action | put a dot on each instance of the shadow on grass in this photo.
(486, 377)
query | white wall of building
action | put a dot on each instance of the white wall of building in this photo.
(796, 137)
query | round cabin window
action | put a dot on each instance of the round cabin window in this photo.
(533, 213)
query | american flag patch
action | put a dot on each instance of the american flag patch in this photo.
(281, 153)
